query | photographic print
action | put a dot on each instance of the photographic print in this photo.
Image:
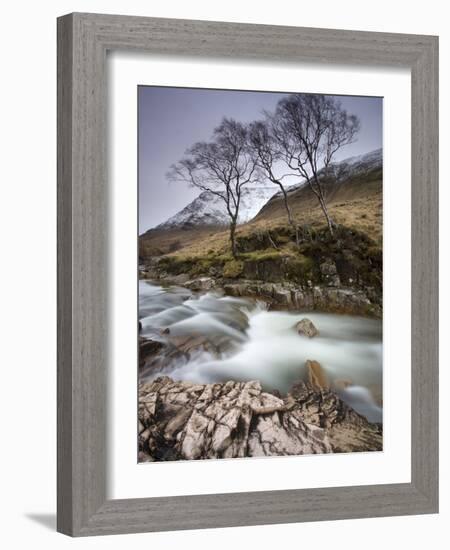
(260, 274)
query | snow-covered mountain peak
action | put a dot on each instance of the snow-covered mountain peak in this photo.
(209, 209)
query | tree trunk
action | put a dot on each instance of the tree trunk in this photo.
(327, 216)
(317, 190)
(289, 215)
(233, 238)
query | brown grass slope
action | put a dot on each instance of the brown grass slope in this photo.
(355, 203)
(158, 242)
(267, 251)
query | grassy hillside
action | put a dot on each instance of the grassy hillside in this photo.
(267, 249)
(355, 204)
(158, 242)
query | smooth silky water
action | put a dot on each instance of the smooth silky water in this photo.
(252, 343)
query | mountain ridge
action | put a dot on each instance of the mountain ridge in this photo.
(351, 166)
(354, 196)
(209, 210)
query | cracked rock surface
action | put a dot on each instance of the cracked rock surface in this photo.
(185, 421)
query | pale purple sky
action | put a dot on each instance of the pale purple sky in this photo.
(172, 119)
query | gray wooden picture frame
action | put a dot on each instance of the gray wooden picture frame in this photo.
(83, 41)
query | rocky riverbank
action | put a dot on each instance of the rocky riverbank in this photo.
(337, 275)
(208, 364)
(283, 295)
(185, 421)
(308, 298)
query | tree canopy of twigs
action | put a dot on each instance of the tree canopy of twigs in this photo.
(301, 137)
(222, 167)
(267, 158)
(306, 131)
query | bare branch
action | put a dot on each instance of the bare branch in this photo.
(222, 167)
(307, 131)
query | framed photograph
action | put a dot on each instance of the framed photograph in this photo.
(247, 274)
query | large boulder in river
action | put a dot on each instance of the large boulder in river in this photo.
(316, 375)
(306, 327)
(186, 421)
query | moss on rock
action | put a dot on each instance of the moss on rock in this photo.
(355, 257)
(233, 269)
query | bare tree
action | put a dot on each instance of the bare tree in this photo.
(268, 159)
(222, 167)
(307, 131)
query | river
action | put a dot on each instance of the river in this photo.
(246, 341)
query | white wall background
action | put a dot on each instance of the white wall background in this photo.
(28, 253)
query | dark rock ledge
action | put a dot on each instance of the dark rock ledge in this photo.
(315, 298)
(183, 420)
(287, 295)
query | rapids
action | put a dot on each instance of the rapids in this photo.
(252, 343)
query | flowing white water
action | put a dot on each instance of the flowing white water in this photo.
(256, 344)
